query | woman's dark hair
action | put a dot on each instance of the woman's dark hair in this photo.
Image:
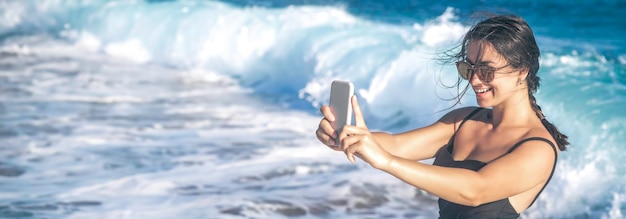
(512, 38)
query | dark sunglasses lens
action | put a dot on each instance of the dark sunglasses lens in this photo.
(486, 74)
(464, 70)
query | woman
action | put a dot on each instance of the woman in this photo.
(491, 161)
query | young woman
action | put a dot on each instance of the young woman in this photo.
(491, 161)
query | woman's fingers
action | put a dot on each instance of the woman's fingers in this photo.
(351, 137)
(350, 157)
(350, 154)
(349, 130)
(358, 115)
(328, 114)
(324, 138)
(350, 146)
(349, 140)
(327, 128)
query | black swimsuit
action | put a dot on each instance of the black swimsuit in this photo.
(501, 209)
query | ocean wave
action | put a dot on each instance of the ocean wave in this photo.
(288, 55)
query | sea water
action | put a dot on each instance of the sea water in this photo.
(207, 109)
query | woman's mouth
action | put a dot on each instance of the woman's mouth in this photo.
(483, 90)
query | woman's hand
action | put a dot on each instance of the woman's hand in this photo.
(358, 140)
(325, 131)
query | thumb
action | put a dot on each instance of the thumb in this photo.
(327, 113)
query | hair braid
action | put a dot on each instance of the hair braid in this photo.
(560, 138)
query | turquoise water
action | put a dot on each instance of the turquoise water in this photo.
(207, 109)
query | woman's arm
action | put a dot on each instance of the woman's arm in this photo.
(418, 144)
(529, 165)
(425, 142)
(526, 167)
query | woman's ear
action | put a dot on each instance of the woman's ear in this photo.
(523, 74)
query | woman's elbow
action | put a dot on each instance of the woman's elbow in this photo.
(471, 197)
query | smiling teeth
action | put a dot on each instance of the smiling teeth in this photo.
(482, 90)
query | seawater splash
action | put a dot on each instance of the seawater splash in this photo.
(591, 114)
(280, 52)
(126, 117)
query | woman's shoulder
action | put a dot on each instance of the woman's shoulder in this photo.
(460, 114)
(539, 133)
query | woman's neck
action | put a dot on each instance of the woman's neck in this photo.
(515, 111)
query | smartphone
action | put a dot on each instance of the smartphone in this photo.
(340, 104)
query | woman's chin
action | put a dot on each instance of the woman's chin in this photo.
(483, 104)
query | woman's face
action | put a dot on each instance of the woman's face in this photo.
(505, 81)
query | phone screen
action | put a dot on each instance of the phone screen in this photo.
(340, 105)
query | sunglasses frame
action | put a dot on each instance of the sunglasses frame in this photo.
(486, 73)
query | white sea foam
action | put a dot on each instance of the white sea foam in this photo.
(443, 30)
(12, 13)
(88, 41)
(616, 211)
(131, 49)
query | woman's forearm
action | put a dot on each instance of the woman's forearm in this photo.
(388, 142)
(457, 185)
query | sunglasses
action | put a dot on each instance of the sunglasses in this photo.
(467, 70)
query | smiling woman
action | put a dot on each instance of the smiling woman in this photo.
(489, 163)
(507, 42)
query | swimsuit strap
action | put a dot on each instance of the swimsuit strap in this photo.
(469, 116)
(553, 166)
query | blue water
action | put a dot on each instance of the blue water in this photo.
(207, 109)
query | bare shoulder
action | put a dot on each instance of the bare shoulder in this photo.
(425, 142)
(537, 137)
(541, 132)
(457, 115)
